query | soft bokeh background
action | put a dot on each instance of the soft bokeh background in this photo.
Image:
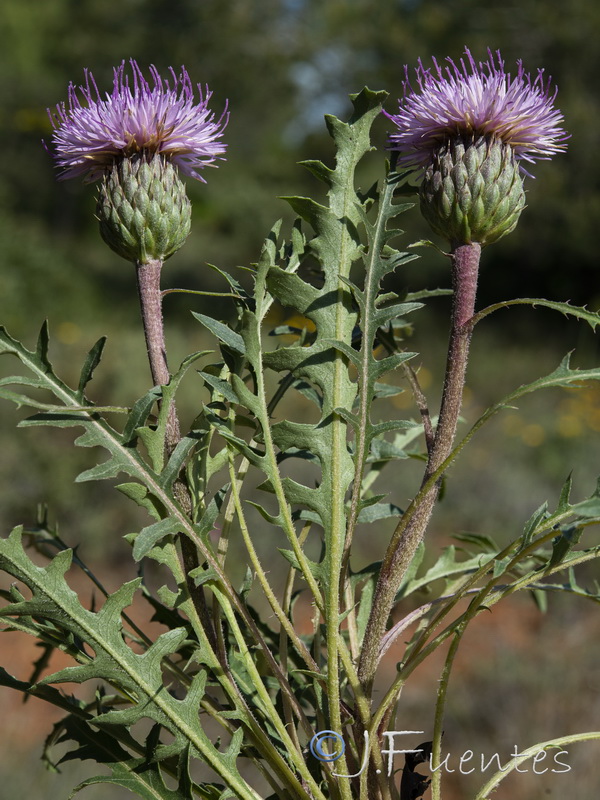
(282, 64)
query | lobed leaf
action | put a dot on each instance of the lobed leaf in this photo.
(138, 675)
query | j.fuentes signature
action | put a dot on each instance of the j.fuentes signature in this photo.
(329, 746)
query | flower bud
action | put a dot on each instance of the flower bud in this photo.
(472, 191)
(143, 209)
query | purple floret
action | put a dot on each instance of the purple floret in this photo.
(480, 100)
(91, 134)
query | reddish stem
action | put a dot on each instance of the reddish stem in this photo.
(148, 281)
(411, 529)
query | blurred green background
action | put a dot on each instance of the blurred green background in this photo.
(282, 64)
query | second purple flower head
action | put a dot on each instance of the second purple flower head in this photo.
(468, 128)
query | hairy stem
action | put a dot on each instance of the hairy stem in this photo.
(148, 282)
(411, 528)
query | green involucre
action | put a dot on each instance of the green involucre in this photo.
(143, 209)
(473, 190)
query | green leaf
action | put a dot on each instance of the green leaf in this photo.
(379, 368)
(97, 432)
(564, 543)
(384, 390)
(292, 291)
(446, 567)
(223, 332)
(148, 537)
(307, 208)
(389, 313)
(91, 362)
(385, 451)
(138, 676)
(179, 458)
(532, 523)
(563, 375)
(238, 289)
(565, 496)
(144, 778)
(206, 523)
(319, 170)
(221, 387)
(318, 570)
(43, 344)
(591, 317)
(139, 414)
(154, 437)
(140, 495)
(589, 508)
(373, 513)
(139, 775)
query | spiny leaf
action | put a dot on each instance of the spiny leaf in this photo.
(178, 458)
(381, 450)
(42, 346)
(318, 570)
(563, 375)
(140, 675)
(385, 315)
(140, 495)
(589, 508)
(532, 523)
(142, 776)
(564, 543)
(97, 432)
(591, 317)
(307, 208)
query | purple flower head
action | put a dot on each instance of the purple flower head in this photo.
(477, 100)
(92, 133)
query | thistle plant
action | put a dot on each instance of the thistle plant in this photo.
(298, 713)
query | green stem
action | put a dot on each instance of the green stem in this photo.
(411, 529)
(286, 604)
(531, 752)
(365, 382)
(336, 527)
(440, 706)
(296, 758)
(284, 620)
(256, 733)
